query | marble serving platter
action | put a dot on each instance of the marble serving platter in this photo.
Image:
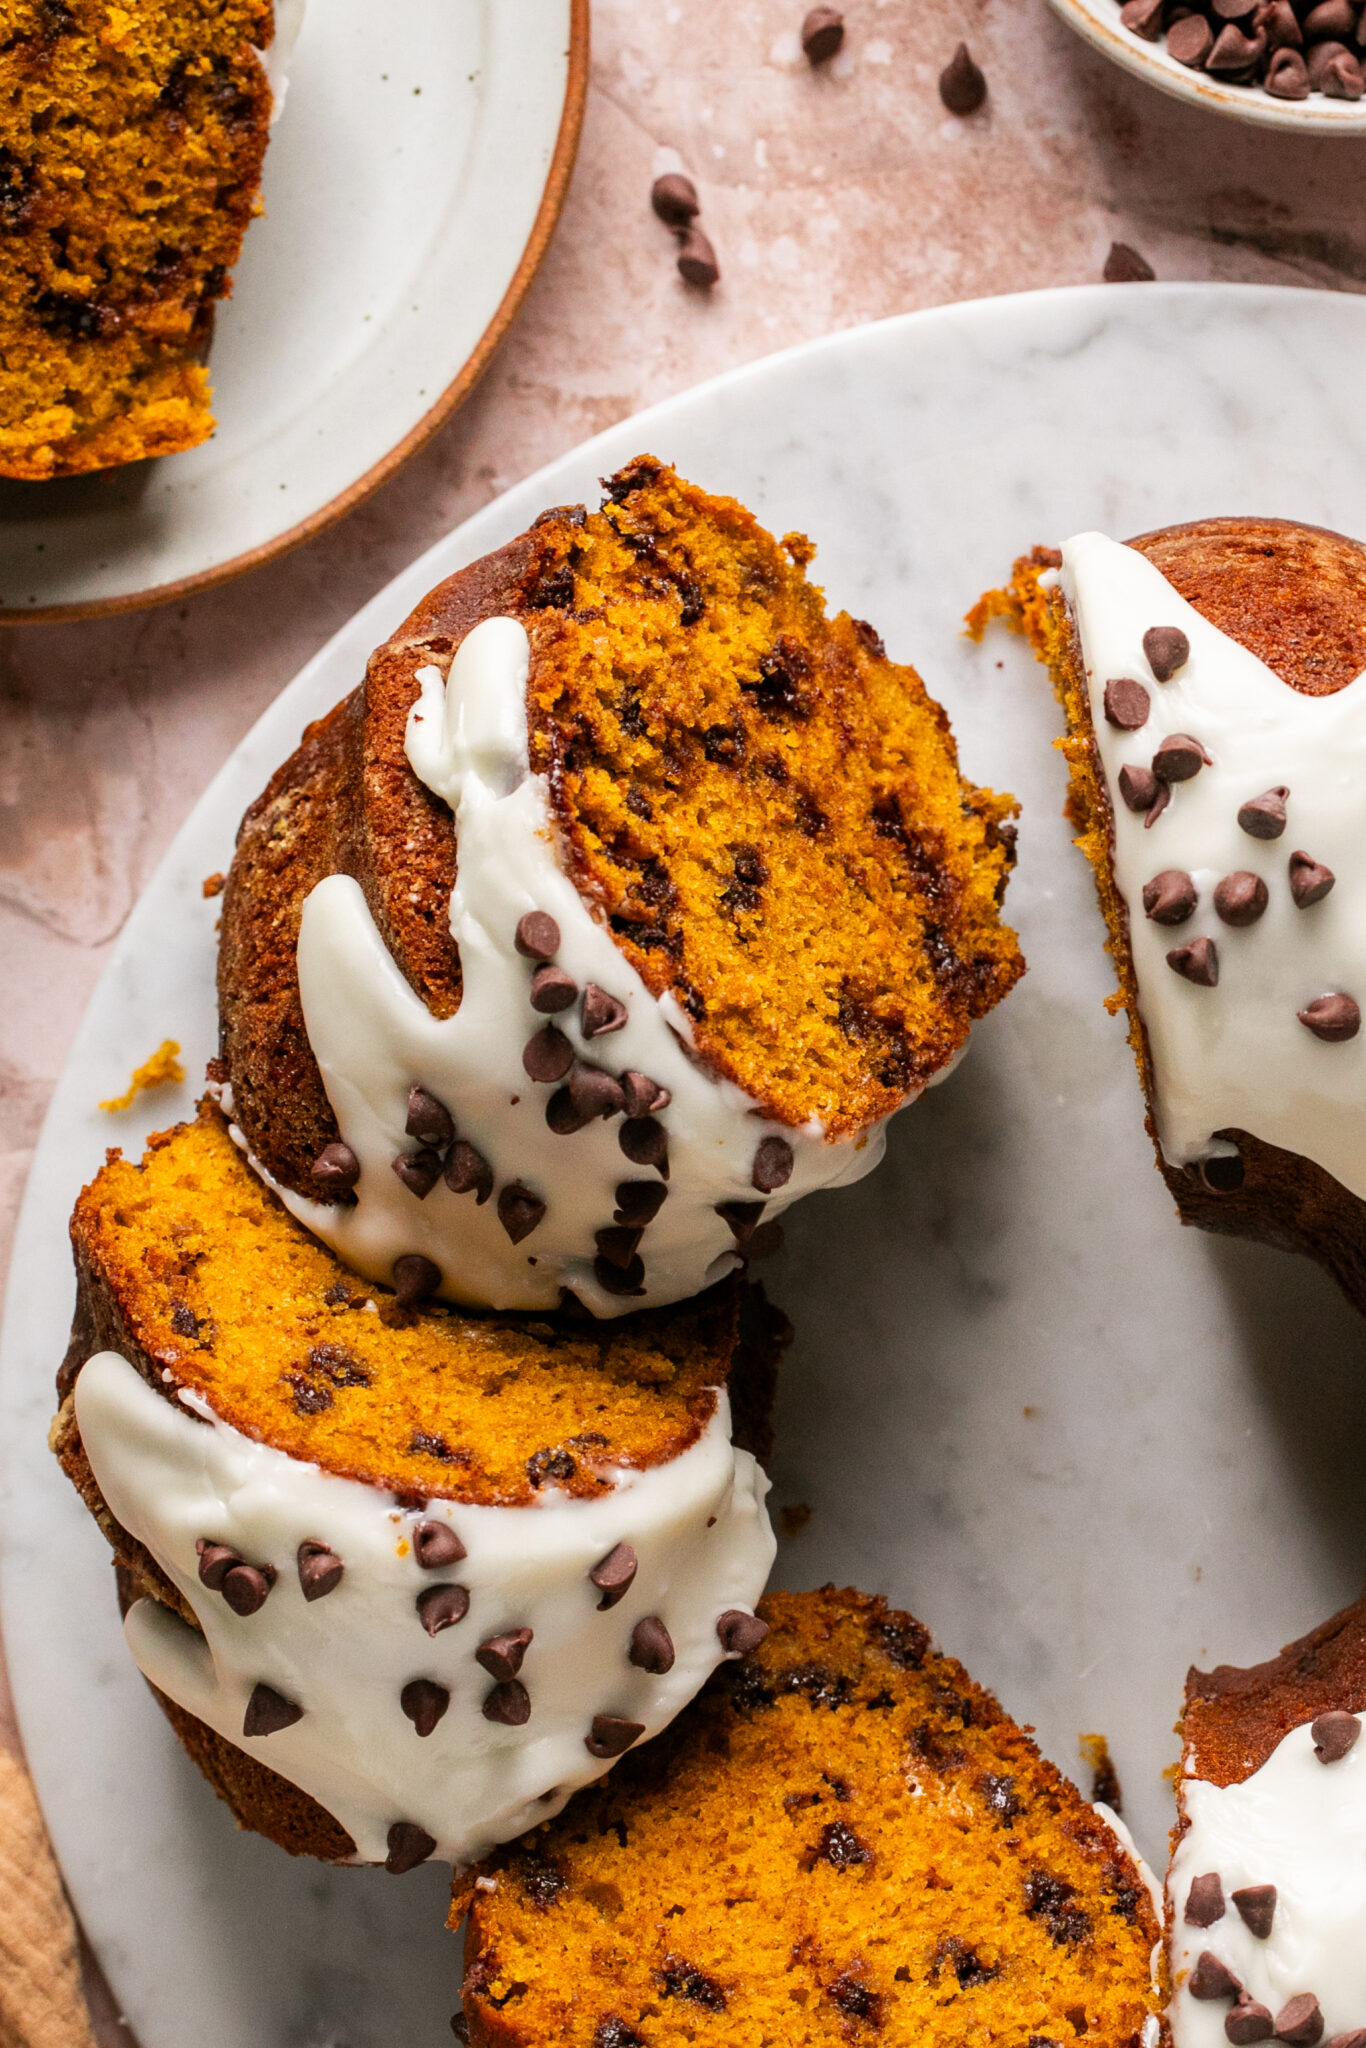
(1085, 1445)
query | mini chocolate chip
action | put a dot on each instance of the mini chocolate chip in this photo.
(1205, 1900)
(1241, 898)
(739, 1633)
(774, 1160)
(697, 264)
(1256, 1905)
(674, 199)
(468, 1172)
(436, 1544)
(1143, 18)
(552, 990)
(429, 1121)
(1263, 817)
(320, 1570)
(409, 1845)
(626, 1280)
(508, 1704)
(419, 1171)
(652, 1647)
(1190, 40)
(619, 1243)
(519, 1210)
(1341, 78)
(1333, 1018)
(1124, 265)
(1234, 55)
(822, 34)
(645, 1142)
(1179, 758)
(594, 1092)
(1300, 2021)
(1167, 649)
(268, 1711)
(611, 1736)
(563, 1118)
(1127, 703)
(441, 1607)
(215, 1562)
(1310, 880)
(642, 1095)
(336, 1166)
(548, 1055)
(614, 1574)
(1277, 21)
(1158, 805)
(1248, 2022)
(1197, 962)
(247, 1586)
(1287, 76)
(1330, 20)
(601, 1012)
(962, 86)
(424, 1702)
(501, 1656)
(1212, 1979)
(1320, 57)
(639, 1201)
(1138, 787)
(1224, 1172)
(537, 936)
(1356, 2039)
(415, 1277)
(1170, 898)
(743, 1218)
(1334, 1734)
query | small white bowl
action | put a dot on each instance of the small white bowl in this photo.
(1098, 21)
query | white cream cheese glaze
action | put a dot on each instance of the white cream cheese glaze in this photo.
(1297, 1824)
(1236, 1056)
(697, 1524)
(374, 1039)
(275, 59)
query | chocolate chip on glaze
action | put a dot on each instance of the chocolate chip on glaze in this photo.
(1139, 788)
(639, 1201)
(502, 1655)
(1249, 2021)
(552, 990)
(626, 1281)
(1333, 1018)
(548, 1055)
(614, 1574)
(1300, 2021)
(424, 1702)
(763, 1242)
(1212, 1979)
(1263, 817)
(1205, 1900)
(652, 1647)
(618, 1243)
(419, 1171)
(645, 1142)
(336, 1166)
(1197, 962)
(739, 1632)
(320, 1570)
(1179, 757)
(1241, 898)
(537, 936)
(508, 1704)
(773, 1163)
(1127, 703)
(415, 1278)
(268, 1711)
(612, 1736)
(435, 1545)
(1256, 1905)
(594, 1092)
(563, 1118)
(519, 1210)
(1158, 805)
(441, 1607)
(743, 1218)
(1167, 649)
(1310, 880)
(601, 1013)
(1334, 1734)
(429, 1121)
(468, 1172)
(409, 1845)
(1170, 897)
(246, 1587)
(642, 1095)
(215, 1562)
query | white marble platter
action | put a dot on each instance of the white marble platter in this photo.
(411, 185)
(1085, 1445)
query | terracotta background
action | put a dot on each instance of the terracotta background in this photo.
(832, 199)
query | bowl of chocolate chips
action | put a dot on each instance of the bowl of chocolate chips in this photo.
(1281, 63)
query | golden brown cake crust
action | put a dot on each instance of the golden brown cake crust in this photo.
(1235, 1716)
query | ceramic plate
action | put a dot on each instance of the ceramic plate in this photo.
(411, 188)
(1085, 1445)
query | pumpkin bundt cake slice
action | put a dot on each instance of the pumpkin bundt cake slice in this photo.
(1210, 675)
(843, 1839)
(402, 1577)
(631, 857)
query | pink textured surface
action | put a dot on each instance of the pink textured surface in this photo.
(832, 198)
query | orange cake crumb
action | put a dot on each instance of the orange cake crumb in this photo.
(160, 1071)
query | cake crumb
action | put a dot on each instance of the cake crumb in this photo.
(213, 885)
(159, 1071)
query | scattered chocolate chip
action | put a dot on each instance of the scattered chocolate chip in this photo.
(1143, 18)
(320, 1570)
(1127, 703)
(1333, 1018)
(674, 198)
(552, 990)
(1212, 1979)
(1138, 787)
(1167, 649)
(336, 1166)
(611, 1736)
(509, 1704)
(501, 1656)
(626, 1280)
(774, 1160)
(1224, 1172)
(1256, 1905)
(645, 1142)
(1248, 2022)
(415, 1277)
(519, 1210)
(962, 86)
(1287, 76)
(639, 1202)
(643, 1096)
(594, 1092)
(548, 1055)
(822, 34)
(1263, 817)
(537, 936)
(215, 1562)
(697, 264)
(441, 1607)
(652, 1647)
(1124, 265)
(409, 1845)
(424, 1702)
(1300, 2021)
(1190, 40)
(563, 1118)
(435, 1544)
(1179, 758)
(1197, 962)
(268, 1711)
(429, 1121)
(1310, 880)
(739, 1633)
(1334, 1734)
(1241, 898)
(601, 1012)
(468, 1172)
(247, 1586)
(419, 1171)
(1205, 1900)
(618, 1243)
(614, 1574)
(1170, 898)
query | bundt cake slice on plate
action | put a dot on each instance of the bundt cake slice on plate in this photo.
(1217, 746)
(403, 1577)
(623, 903)
(843, 1839)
